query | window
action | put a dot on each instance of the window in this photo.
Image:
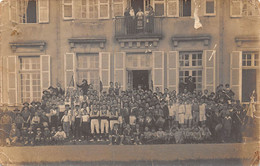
(118, 8)
(88, 68)
(185, 8)
(250, 63)
(159, 7)
(30, 79)
(210, 7)
(239, 8)
(99, 9)
(191, 65)
(67, 9)
(251, 8)
(29, 11)
(250, 59)
(139, 61)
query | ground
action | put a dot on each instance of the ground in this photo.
(184, 154)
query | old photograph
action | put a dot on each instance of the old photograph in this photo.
(130, 82)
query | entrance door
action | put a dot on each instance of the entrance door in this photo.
(136, 4)
(141, 77)
(248, 83)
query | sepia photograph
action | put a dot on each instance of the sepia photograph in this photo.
(130, 82)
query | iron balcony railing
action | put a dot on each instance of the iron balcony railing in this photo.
(138, 26)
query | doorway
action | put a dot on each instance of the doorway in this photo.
(138, 78)
(136, 4)
(248, 83)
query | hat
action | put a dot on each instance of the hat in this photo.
(26, 103)
(38, 129)
(33, 102)
(46, 128)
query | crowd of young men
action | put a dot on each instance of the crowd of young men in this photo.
(125, 117)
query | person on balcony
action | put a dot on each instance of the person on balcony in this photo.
(150, 20)
(132, 23)
(127, 19)
(139, 21)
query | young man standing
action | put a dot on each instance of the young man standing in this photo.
(94, 115)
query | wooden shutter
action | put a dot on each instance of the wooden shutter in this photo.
(12, 80)
(236, 8)
(209, 5)
(104, 69)
(45, 71)
(236, 73)
(68, 9)
(70, 70)
(43, 11)
(173, 8)
(103, 9)
(173, 70)
(118, 8)
(158, 69)
(13, 16)
(120, 71)
(1, 79)
(209, 70)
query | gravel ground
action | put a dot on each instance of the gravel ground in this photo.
(184, 154)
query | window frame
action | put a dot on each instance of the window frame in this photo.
(29, 71)
(159, 2)
(253, 55)
(205, 8)
(72, 10)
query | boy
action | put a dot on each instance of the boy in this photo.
(115, 136)
(128, 135)
(60, 136)
(94, 115)
(46, 136)
(31, 136)
(85, 124)
(137, 135)
(196, 112)
(181, 112)
(188, 114)
(202, 112)
(104, 115)
(13, 136)
(113, 117)
(65, 120)
(38, 136)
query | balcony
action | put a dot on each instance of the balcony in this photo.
(136, 28)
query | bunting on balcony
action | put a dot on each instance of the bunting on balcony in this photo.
(197, 23)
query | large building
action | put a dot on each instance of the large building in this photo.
(45, 42)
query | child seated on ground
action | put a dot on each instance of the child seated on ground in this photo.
(31, 136)
(13, 136)
(60, 135)
(146, 136)
(128, 135)
(46, 136)
(38, 137)
(115, 136)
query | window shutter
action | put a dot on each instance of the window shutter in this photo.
(13, 10)
(104, 69)
(120, 72)
(1, 79)
(173, 8)
(70, 70)
(209, 70)
(68, 9)
(118, 8)
(103, 9)
(12, 80)
(43, 11)
(236, 73)
(236, 8)
(173, 70)
(45, 72)
(210, 8)
(158, 69)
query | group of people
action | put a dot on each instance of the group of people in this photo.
(125, 117)
(139, 21)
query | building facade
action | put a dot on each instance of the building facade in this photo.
(45, 42)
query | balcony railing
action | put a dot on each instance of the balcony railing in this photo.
(138, 27)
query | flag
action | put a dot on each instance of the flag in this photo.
(100, 86)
